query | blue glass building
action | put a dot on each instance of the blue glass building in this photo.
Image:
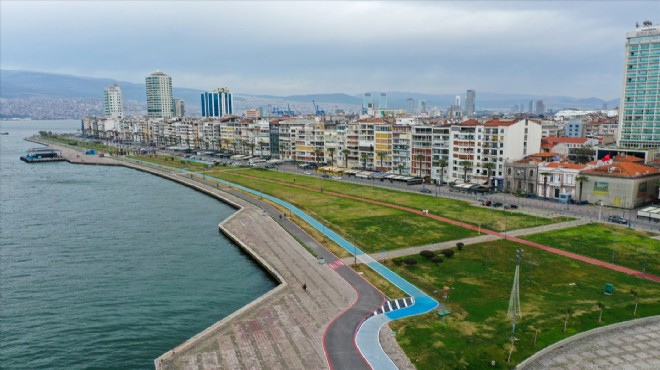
(217, 103)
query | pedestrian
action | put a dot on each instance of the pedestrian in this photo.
(305, 286)
(280, 217)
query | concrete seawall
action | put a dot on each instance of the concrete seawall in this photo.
(281, 329)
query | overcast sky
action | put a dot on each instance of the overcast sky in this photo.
(572, 48)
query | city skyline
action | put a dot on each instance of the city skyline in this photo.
(283, 48)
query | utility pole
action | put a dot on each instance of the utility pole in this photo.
(514, 301)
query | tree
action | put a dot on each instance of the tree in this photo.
(251, 146)
(467, 165)
(261, 147)
(584, 154)
(400, 168)
(545, 183)
(420, 158)
(346, 152)
(581, 179)
(317, 153)
(380, 156)
(489, 166)
(363, 157)
(331, 151)
(601, 307)
(442, 163)
(635, 294)
(567, 312)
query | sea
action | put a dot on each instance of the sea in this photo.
(108, 267)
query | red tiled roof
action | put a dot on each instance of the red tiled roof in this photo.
(545, 155)
(496, 122)
(470, 122)
(623, 169)
(553, 140)
(627, 158)
(371, 120)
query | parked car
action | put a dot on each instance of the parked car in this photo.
(497, 204)
(336, 177)
(486, 203)
(510, 206)
(617, 219)
(325, 176)
(307, 173)
(426, 191)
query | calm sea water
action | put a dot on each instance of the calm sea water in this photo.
(107, 267)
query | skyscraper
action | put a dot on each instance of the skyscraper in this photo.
(540, 107)
(382, 101)
(469, 103)
(160, 103)
(639, 112)
(112, 102)
(217, 103)
(179, 108)
(367, 101)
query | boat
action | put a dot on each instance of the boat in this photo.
(4, 133)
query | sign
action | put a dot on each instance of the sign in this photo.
(601, 188)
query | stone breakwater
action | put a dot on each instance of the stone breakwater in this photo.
(283, 328)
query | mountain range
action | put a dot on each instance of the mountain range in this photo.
(28, 84)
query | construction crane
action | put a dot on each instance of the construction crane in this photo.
(318, 112)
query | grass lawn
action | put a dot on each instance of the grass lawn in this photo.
(173, 161)
(481, 277)
(372, 227)
(488, 218)
(626, 247)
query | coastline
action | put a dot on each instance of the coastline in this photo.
(303, 334)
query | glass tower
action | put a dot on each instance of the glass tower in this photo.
(217, 103)
(639, 115)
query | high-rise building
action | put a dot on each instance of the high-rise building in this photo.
(367, 101)
(160, 103)
(531, 106)
(639, 115)
(540, 107)
(469, 103)
(457, 101)
(217, 103)
(179, 108)
(112, 102)
(382, 101)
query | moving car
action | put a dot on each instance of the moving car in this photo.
(426, 191)
(617, 219)
(336, 177)
(497, 204)
(325, 176)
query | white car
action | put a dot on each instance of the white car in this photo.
(336, 177)
(307, 173)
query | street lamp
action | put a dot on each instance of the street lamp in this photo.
(600, 209)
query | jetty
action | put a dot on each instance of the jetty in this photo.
(36, 155)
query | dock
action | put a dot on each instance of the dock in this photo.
(37, 155)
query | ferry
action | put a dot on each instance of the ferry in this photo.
(36, 155)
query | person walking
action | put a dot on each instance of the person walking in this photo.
(305, 286)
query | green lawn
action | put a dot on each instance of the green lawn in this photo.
(372, 227)
(626, 247)
(172, 161)
(481, 276)
(487, 218)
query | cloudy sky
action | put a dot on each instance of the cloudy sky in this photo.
(572, 48)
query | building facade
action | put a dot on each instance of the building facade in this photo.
(160, 103)
(639, 116)
(469, 103)
(218, 103)
(179, 108)
(112, 102)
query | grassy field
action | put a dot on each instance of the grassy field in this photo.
(487, 218)
(372, 227)
(626, 247)
(481, 276)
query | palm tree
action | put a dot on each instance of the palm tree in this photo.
(420, 158)
(601, 307)
(317, 154)
(346, 152)
(467, 165)
(381, 155)
(635, 294)
(261, 147)
(545, 183)
(581, 179)
(251, 146)
(442, 163)
(283, 149)
(363, 157)
(400, 168)
(489, 166)
(567, 312)
(331, 151)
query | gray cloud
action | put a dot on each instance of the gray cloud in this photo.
(550, 47)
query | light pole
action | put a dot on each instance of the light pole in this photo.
(600, 209)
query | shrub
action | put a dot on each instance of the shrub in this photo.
(436, 259)
(448, 253)
(427, 254)
(459, 246)
(410, 261)
(397, 261)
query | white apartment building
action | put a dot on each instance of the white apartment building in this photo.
(112, 102)
(160, 103)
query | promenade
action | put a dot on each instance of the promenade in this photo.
(285, 328)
